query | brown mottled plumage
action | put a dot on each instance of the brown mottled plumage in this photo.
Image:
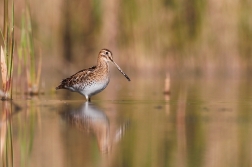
(93, 80)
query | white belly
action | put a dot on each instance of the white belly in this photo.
(92, 89)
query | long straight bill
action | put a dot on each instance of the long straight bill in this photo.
(126, 76)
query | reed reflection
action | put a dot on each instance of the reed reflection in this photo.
(90, 118)
(6, 148)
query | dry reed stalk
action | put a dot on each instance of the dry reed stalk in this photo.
(6, 78)
(3, 69)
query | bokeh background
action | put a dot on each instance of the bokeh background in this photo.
(205, 121)
(205, 37)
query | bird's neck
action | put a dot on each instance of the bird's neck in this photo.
(103, 65)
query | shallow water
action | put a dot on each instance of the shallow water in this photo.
(203, 122)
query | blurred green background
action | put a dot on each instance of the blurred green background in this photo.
(204, 36)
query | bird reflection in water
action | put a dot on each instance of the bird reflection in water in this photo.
(90, 118)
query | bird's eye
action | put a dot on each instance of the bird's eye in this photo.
(106, 53)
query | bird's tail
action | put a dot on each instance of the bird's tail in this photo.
(61, 86)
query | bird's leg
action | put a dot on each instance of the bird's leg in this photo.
(88, 98)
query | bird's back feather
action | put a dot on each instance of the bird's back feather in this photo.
(75, 78)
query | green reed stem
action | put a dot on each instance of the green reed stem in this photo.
(12, 49)
(31, 46)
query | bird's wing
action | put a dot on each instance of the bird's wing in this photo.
(75, 78)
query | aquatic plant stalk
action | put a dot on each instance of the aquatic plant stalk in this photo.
(27, 51)
(7, 52)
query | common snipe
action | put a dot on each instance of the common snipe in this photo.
(91, 81)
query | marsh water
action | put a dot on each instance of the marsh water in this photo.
(202, 122)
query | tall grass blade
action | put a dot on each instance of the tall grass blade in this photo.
(31, 46)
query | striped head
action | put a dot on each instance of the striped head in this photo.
(106, 55)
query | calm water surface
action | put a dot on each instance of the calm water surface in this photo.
(203, 122)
